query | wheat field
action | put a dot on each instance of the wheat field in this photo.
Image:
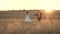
(12, 22)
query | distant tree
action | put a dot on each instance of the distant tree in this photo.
(23, 9)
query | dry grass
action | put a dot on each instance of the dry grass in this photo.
(18, 26)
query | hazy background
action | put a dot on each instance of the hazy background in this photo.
(29, 4)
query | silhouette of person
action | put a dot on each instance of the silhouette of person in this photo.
(39, 15)
(27, 18)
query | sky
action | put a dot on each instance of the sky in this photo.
(29, 4)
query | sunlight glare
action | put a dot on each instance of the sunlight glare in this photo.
(48, 11)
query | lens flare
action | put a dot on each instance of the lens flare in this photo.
(48, 11)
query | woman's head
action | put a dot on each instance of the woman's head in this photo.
(26, 12)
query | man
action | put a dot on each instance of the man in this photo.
(39, 15)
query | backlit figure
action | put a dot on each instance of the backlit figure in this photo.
(27, 18)
(39, 15)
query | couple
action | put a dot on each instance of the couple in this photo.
(28, 19)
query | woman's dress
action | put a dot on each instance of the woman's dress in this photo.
(27, 19)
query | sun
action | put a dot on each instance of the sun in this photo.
(48, 10)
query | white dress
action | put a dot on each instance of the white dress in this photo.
(27, 19)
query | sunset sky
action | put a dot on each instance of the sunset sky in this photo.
(29, 4)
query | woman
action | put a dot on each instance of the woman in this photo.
(27, 18)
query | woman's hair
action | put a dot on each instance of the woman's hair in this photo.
(26, 12)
